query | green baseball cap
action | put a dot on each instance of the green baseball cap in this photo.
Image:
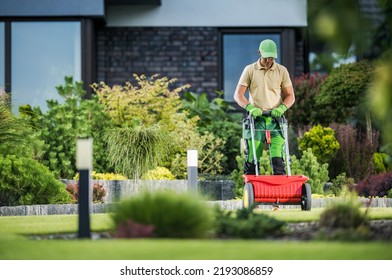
(268, 48)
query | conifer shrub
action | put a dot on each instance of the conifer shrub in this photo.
(322, 141)
(24, 181)
(309, 166)
(170, 214)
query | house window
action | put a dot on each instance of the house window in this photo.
(240, 50)
(2, 56)
(42, 54)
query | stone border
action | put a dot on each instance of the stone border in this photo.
(69, 209)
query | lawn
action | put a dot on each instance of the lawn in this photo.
(15, 244)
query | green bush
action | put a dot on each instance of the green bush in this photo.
(236, 176)
(63, 123)
(306, 88)
(15, 134)
(309, 166)
(171, 214)
(343, 92)
(103, 176)
(381, 162)
(341, 182)
(24, 181)
(343, 219)
(245, 223)
(230, 133)
(322, 141)
(217, 117)
(135, 150)
(159, 173)
(154, 101)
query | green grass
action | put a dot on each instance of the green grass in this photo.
(14, 245)
(165, 249)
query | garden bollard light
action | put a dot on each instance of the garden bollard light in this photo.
(84, 163)
(192, 170)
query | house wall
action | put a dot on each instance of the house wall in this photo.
(189, 54)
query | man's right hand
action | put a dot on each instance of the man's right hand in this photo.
(254, 111)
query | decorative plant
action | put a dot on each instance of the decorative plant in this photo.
(246, 223)
(343, 91)
(99, 192)
(306, 88)
(309, 166)
(159, 173)
(344, 219)
(219, 118)
(24, 181)
(379, 185)
(341, 182)
(355, 156)
(63, 123)
(322, 141)
(149, 104)
(134, 151)
(169, 214)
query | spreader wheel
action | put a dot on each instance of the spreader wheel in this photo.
(306, 199)
(249, 196)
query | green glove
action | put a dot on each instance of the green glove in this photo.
(254, 111)
(279, 111)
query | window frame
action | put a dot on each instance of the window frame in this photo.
(287, 49)
(88, 49)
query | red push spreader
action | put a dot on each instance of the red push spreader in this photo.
(277, 189)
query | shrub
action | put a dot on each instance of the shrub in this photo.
(217, 117)
(355, 156)
(103, 176)
(341, 182)
(245, 223)
(15, 135)
(377, 185)
(236, 175)
(152, 102)
(159, 173)
(24, 181)
(99, 192)
(63, 123)
(343, 219)
(237, 178)
(306, 88)
(381, 162)
(343, 91)
(172, 215)
(309, 166)
(322, 141)
(230, 133)
(135, 150)
(209, 155)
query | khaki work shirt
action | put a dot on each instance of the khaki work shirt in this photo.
(265, 86)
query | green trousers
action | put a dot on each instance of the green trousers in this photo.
(276, 147)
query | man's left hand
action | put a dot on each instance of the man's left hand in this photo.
(279, 111)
